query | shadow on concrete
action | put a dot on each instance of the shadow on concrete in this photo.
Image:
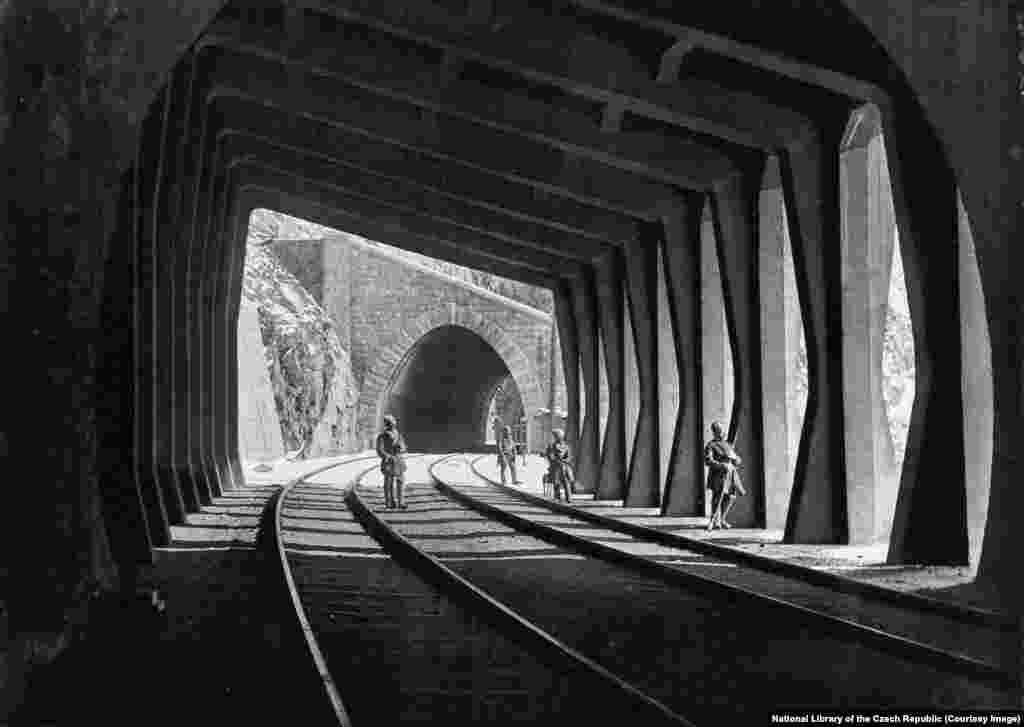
(227, 649)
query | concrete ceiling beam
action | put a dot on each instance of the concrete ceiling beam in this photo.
(307, 183)
(552, 52)
(251, 196)
(296, 153)
(666, 157)
(579, 179)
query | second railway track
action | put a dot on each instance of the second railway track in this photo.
(983, 644)
(708, 652)
(399, 638)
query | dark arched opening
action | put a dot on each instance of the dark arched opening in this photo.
(442, 389)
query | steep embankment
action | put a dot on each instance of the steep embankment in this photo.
(310, 372)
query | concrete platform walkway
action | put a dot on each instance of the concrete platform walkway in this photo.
(860, 562)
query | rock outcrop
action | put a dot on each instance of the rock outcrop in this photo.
(310, 372)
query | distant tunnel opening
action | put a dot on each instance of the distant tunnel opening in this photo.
(442, 390)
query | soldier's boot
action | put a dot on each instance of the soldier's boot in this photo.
(716, 512)
(389, 495)
(501, 468)
(399, 487)
(730, 500)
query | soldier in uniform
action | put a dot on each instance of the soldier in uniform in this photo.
(390, 449)
(559, 465)
(507, 454)
(723, 477)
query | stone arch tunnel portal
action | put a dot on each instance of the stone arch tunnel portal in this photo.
(442, 389)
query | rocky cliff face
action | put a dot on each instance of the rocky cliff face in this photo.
(310, 372)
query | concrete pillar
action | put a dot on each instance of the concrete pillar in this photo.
(602, 385)
(206, 384)
(683, 267)
(124, 511)
(776, 353)
(172, 434)
(234, 233)
(735, 213)
(929, 525)
(160, 505)
(867, 246)
(810, 180)
(642, 284)
(222, 364)
(197, 177)
(185, 269)
(716, 353)
(977, 389)
(668, 375)
(630, 380)
(569, 346)
(157, 310)
(612, 482)
(588, 457)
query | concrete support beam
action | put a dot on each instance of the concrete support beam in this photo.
(716, 359)
(569, 346)
(217, 302)
(682, 249)
(157, 233)
(735, 204)
(929, 525)
(161, 504)
(323, 212)
(810, 180)
(234, 232)
(776, 354)
(609, 286)
(977, 388)
(588, 458)
(362, 149)
(211, 199)
(239, 55)
(630, 379)
(585, 71)
(127, 522)
(643, 488)
(512, 159)
(302, 148)
(197, 152)
(201, 263)
(173, 253)
(868, 239)
(318, 188)
(185, 271)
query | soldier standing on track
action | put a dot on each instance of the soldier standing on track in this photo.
(559, 465)
(723, 477)
(507, 454)
(390, 449)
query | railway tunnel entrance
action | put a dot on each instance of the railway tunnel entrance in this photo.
(442, 390)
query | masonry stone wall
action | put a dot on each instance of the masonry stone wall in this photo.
(381, 304)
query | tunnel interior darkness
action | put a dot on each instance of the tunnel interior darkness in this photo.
(442, 389)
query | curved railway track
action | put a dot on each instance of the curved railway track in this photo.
(704, 648)
(974, 642)
(398, 637)
(835, 583)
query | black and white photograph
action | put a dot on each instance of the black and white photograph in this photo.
(512, 362)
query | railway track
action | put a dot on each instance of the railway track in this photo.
(984, 643)
(586, 510)
(703, 648)
(398, 637)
